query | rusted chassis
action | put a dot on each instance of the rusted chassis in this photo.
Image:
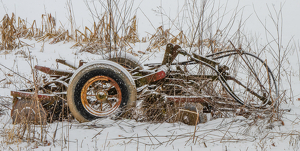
(157, 73)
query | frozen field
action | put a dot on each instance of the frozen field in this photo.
(259, 19)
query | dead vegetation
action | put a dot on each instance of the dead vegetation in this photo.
(117, 31)
(8, 33)
(107, 35)
(91, 40)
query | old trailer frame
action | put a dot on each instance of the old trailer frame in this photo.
(61, 80)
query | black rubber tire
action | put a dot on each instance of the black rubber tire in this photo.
(124, 59)
(99, 68)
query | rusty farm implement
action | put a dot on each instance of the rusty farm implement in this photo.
(231, 80)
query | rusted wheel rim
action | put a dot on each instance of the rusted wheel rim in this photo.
(101, 96)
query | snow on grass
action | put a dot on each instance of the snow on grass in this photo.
(236, 133)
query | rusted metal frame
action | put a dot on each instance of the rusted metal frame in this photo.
(221, 54)
(262, 98)
(26, 94)
(51, 71)
(205, 101)
(81, 62)
(142, 73)
(190, 82)
(44, 96)
(197, 77)
(168, 58)
(240, 52)
(64, 62)
(206, 60)
(250, 67)
(133, 71)
(173, 51)
(47, 88)
(215, 68)
(155, 65)
(170, 53)
(153, 77)
(150, 78)
(198, 58)
(221, 68)
(175, 89)
(214, 55)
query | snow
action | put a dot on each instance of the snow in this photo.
(234, 134)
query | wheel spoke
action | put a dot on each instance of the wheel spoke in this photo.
(101, 106)
(113, 96)
(109, 104)
(93, 103)
(111, 86)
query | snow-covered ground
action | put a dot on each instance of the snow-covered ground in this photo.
(236, 133)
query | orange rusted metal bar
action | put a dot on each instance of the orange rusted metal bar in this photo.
(51, 71)
(160, 74)
(24, 94)
(67, 63)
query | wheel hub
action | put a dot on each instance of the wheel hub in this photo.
(102, 95)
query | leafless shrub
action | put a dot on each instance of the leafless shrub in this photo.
(115, 31)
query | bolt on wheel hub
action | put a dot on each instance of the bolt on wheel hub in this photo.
(102, 95)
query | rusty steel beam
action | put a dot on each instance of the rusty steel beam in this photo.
(51, 71)
(153, 77)
(81, 62)
(67, 63)
(205, 59)
(156, 76)
(150, 78)
(170, 53)
(24, 94)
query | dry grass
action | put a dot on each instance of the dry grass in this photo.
(113, 32)
(8, 33)
(93, 40)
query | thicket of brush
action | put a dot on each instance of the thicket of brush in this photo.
(199, 30)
